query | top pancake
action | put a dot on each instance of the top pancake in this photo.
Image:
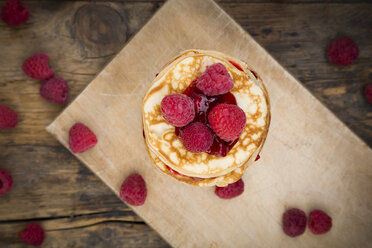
(175, 78)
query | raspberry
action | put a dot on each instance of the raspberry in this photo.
(37, 67)
(14, 12)
(32, 235)
(6, 182)
(8, 117)
(294, 222)
(133, 190)
(227, 121)
(368, 93)
(197, 137)
(178, 109)
(342, 51)
(215, 80)
(231, 190)
(55, 90)
(319, 222)
(81, 138)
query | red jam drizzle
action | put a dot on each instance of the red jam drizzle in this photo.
(257, 158)
(182, 175)
(236, 65)
(175, 172)
(254, 74)
(203, 105)
(240, 68)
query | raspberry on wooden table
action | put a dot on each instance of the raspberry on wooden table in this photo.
(227, 121)
(8, 117)
(6, 182)
(33, 234)
(55, 90)
(368, 93)
(216, 80)
(197, 137)
(81, 138)
(231, 190)
(342, 51)
(37, 67)
(294, 222)
(319, 222)
(133, 190)
(177, 109)
(14, 12)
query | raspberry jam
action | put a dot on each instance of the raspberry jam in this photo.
(236, 65)
(240, 68)
(203, 105)
(175, 172)
(182, 175)
(254, 74)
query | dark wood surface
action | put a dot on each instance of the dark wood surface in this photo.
(53, 188)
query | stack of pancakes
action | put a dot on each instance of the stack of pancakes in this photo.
(166, 149)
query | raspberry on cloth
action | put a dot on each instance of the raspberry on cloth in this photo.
(133, 190)
(230, 191)
(81, 138)
(294, 222)
(319, 222)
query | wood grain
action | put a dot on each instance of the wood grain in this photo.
(51, 188)
(77, 54)
(299, 48)
(29, 149)
(187, 216)
(299, 42)
(94, 230)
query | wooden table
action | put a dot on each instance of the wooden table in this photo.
(56, 190)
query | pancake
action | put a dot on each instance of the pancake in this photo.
(220, 181)
(166, 149)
